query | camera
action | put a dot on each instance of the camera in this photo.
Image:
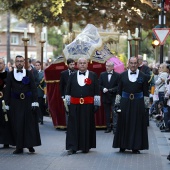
(154, 2)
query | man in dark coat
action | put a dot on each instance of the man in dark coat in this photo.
(108, 82)
(21, 97)
(64, 79)
(6, 137)
(82, 96)
(41, 92)
(132, 126)
(146, 70)
(143, 68)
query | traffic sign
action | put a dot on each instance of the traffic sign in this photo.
(161, 34)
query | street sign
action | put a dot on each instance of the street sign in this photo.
(161, 34)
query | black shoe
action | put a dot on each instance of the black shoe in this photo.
(169, 138)
(70, 152)
(32, 150)
(18, 151)
(85, 151)
(107, 131)
(41, 123)
(122, 150)
(6, 146)
(136, 151)
(166, 130)
(168, 157)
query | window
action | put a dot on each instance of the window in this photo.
(14, 39)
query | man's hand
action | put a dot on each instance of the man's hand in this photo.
(105, 90)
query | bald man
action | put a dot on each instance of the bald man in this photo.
(82, 96)
(132, 131)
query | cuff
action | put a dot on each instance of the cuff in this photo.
(35, 104)
(67, 98)
(6, 107)
(97, 101)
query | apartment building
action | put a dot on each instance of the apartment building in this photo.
(16, 30)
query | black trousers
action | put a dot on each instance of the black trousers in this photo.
(109, 110)
(41, 110)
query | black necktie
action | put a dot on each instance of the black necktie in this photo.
(132, 72)
(80, 73)
(109, 73)
(21, 71)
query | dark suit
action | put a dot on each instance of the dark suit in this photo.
(64, 76)
(146, 70)
(108, 98)
(40, 91)
(36, 76)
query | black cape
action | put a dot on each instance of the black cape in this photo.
(131, 130)
(81, 132)
(6, 136)
(24, 120)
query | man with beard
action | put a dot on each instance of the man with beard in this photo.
(64, 79)
(82, 94)
(6, 137)
(21, 97)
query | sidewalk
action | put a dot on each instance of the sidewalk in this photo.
(53, 156)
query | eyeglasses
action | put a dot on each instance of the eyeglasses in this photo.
(19, 61)
(133, 63)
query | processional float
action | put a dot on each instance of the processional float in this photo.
(90, 44)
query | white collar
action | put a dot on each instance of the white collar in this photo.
(81, 78)
(19, 76)
(133, 77)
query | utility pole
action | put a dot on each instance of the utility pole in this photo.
(162, 26)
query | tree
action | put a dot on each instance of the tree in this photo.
(123, 14)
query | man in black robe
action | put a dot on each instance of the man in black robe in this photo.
(21, 97)
(6, 137)
(108, 82)
(82, 96)
(131, 131)
(64, 76)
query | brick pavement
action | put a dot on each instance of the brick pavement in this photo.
(52, 155)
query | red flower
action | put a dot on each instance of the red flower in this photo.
(87, 81)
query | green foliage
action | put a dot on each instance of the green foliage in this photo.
(124, 15)
(56, 40)
(123, 58)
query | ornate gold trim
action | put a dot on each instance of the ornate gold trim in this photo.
(52, 81)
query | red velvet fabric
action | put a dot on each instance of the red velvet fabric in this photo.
(56, 106)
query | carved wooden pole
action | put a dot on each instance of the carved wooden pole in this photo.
(42, 52)
(26, 51)
(129, 38)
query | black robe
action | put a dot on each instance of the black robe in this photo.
(24, 120)
(81, 131)
(132, 126)
(6, 136)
